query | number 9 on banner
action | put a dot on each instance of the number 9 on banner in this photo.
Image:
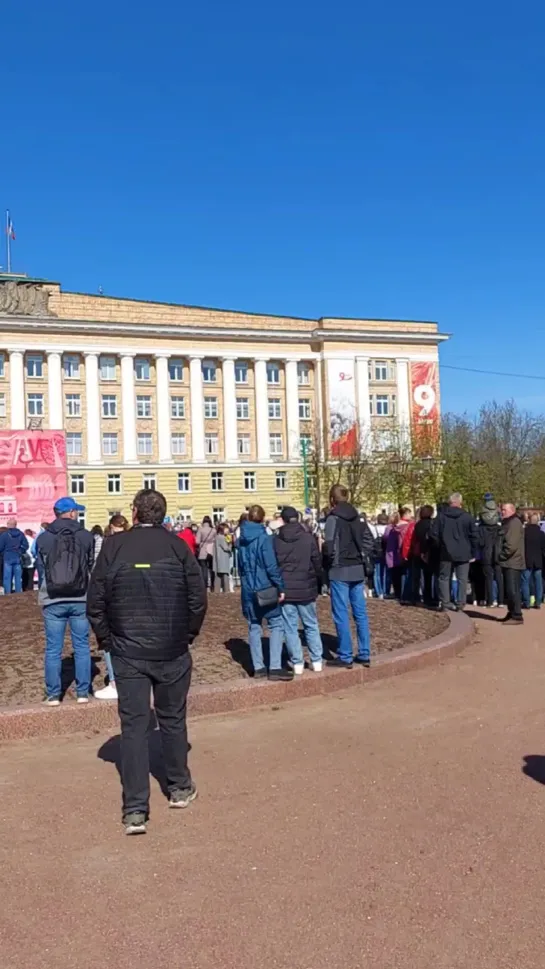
(424, 397)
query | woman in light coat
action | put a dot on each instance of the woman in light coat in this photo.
(223, 551)
(206, 538)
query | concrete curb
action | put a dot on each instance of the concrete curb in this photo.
(39, 721)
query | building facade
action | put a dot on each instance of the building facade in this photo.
(209, 406)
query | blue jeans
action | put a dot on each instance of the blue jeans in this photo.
(109, 667)
(291, 613)
(13, 577)
(344, 594)
(532, 583)
(379, 578)
(56, 617)
(276, 641)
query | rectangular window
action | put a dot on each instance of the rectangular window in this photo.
(109, 445)
(185, 514)
(305, 412)
(303, 373)
(2, 365)
(142, 369)
(275, 409)
(149, 481)
(77, 484)
(275, 445)
(382, 405)
(144, 445)
(273, 373)
(243, 409)
(35, 405)
(176, 370)
(2, 405)
(216, 480)
(210, 408)
(211, 444)
(241, 372)
(107, 368)
(177, 442)
(34, 365)
(73, 445)
(281, 480)
(184, 482)
(143, 406)
(218, 515)
(81, 517)
(209, 372)
(381, 370)
(243, 443)
(114, 484)
(177, 407)
(249, 481)
(73, 405)
(71, 366)
(109, 405)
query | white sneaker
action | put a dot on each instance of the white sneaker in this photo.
(298, 668)
(52, 701)
(107, 693)
(82, 699)
(318, 666)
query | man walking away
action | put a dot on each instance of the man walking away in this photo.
(347, 543)
(13, 545)
(511, 559)
(532, 577)
(65, 559)
(146, 603)
(300, 563)
(422, 570)
(490, 541)
(455, 533)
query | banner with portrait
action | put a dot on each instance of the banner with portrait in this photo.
(32, 476)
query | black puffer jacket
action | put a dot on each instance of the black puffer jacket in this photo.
(300, 562)
(146, 599)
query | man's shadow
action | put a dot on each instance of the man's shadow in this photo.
(473, 614)
(534, 767)
(68, 671)
(110, 753)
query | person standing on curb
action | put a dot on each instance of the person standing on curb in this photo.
(146, 604)
(455, 534)
(300, 563)
(347, 542)
(511, 559)
(534, 553)
(13, 544)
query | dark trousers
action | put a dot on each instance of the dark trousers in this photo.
(169, 680)
(445, 576)
(491, 573)
(207, 569)
(397, 573)
(513, 599)
(422, 576)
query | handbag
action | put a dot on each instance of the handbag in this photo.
(265, 598)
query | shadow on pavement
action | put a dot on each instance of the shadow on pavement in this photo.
(534, 767)
(110, 752)
(68, 672)
(482, 615)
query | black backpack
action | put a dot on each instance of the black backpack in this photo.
(66, 569)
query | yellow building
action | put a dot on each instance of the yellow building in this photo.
(209, 406)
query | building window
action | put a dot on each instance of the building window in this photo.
(77, 484)
(243, 409)
(34, 365)
(380, 370)
(273, 373)
(149, 481)
(35, 405)
(177, 443)
(107, 368)
(177, 407)
(241, 372)
(109, 445)
(2, 365)
(243, 444)
(143, 406)
(211, 444)
(73, 445)
(73, 405)
(249, 481)
(114, 484)
(281, 480)
(185, 514)
(176, 370)
(216, 480)
(275, 409)
(305, 412)
(218, 515)
(184, 482)
(71, 366)
(303, 374)
(275, 445)
(305, 444)
(210, 408)
(382, 404)
(2, 405)
(109, 405)
(142, 368)
(81, 517)
(144, 445)
(209, 372)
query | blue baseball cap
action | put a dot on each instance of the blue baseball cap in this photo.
(63, 505)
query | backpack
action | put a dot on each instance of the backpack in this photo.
(66, 568)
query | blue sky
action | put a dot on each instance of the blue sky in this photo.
(347, 159)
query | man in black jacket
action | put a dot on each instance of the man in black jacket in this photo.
(300, 563)
(347, 542)
(455, 533)
(146, 603)
(534, 551)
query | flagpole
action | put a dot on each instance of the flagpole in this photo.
(8, 242)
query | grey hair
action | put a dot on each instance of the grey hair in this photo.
(455, 497)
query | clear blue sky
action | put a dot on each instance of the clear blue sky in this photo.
(307, 158)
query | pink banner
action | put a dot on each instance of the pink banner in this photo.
(32, 476)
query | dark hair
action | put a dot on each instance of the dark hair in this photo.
(150, 507)
(256, 513)
(97, 530)
(206, 520)
(118, 521)
(405, 510)
(426, 511)
(382, 519)
(338, 493)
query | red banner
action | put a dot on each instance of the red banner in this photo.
(32, 476)
(425, 400)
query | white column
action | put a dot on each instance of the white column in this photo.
(230, 408)
(403, 401)
(128, 409)
(163, 407)
(92, 396)
(17, 390)
(197, 409)
(364, 412)
(292, 411)
(262, 411)
(321, 418)
(54, 386)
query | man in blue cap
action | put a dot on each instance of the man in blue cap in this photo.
(65, 558)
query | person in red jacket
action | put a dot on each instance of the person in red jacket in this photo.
(188, 535)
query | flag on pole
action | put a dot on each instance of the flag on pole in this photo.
(10, 231)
